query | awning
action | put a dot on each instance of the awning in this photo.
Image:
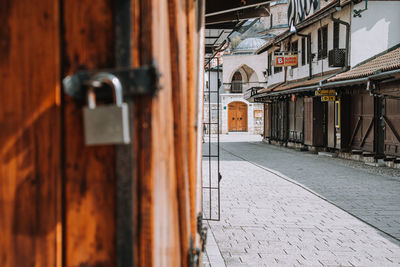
(292, 87)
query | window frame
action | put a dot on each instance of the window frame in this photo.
(297, 51)
(323, 42)
(336, 35)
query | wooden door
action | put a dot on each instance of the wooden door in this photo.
(392, 127)
(362, 121)
(331, 125)
(59, 198)
(237, 117)
(308, 121)
(267, 120)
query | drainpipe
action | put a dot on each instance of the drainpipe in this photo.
(347, 38)
(308, 36)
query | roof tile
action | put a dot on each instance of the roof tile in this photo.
(386, 62)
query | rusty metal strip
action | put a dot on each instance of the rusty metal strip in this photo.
(123, 153)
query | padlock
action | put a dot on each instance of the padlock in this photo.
(106, 124)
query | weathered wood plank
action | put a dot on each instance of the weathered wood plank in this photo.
(89, 171)
(30, 174)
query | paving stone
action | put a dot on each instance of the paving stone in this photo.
(270, 221)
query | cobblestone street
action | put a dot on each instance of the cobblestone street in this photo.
(281, 207)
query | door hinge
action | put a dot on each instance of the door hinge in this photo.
(143, 80)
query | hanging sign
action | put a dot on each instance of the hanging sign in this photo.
(325, 92)
(285, 60)
(328, 98)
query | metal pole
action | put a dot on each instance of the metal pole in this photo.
(219, 175)
(209, 138)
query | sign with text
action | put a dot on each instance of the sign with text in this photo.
(285, 60)
(325, 92)
(328, 98)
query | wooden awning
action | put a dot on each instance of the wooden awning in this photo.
(226, 14)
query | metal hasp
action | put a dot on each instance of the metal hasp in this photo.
(357, 12)
(135, 81)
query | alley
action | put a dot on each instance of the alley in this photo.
(281, 207)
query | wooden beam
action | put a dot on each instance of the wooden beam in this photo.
(389, 123)
(367, 132)
(223, 6)
(355, 131)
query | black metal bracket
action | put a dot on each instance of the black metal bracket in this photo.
(357, 12)
(135, 81)
(202, 231)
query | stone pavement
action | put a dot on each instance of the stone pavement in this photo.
(269, 219)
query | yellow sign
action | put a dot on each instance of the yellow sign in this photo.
(325, 93)
(328, 98)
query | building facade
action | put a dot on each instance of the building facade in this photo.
(331, 100)
(242, 71)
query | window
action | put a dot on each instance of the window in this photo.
(236, 86)
(277, 69)
(269, 71)
(323, 42)
(295, 50)
(303, 51)
(336, 32)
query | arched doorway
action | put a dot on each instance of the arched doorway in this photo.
(237, 117)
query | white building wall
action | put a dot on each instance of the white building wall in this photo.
(318, 66)
(377, 30)
(233, 62)
(254, 125)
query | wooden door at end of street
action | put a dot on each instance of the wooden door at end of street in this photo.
(237, 117)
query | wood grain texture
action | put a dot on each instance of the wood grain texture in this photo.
(30, 174)
(157, 224)
(192, 57)
(89, 171)
(178, 43)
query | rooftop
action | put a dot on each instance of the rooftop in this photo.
(384, 62)
(249, 45)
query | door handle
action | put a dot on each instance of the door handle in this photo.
(233, 119)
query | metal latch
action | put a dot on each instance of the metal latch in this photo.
(202, 230)
(135, 81)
